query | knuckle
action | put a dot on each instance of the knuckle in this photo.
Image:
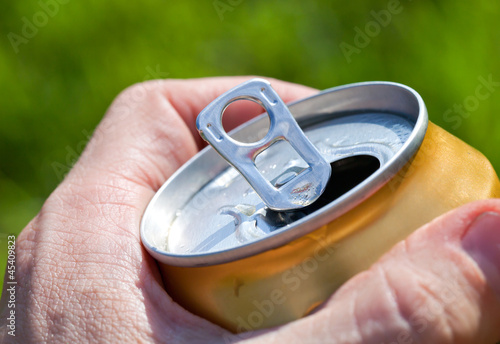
(134, 100)
(140, 89)
(144, 91)
(426, 305)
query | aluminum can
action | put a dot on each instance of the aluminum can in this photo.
(227, 257)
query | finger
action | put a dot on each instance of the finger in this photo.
(145, 136)
(239, 112)
(441, 285)
(149, 130)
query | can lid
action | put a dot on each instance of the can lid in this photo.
(207, 213)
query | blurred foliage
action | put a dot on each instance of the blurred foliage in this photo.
(57, 83)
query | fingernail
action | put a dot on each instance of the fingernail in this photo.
(482, 243)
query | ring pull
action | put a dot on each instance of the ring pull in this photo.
(294, 192)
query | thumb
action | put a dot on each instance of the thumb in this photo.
(441, 285)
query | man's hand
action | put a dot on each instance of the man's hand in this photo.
(83, 275)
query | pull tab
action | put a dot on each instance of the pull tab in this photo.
(292, 193)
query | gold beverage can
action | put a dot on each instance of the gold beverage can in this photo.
(226, 256)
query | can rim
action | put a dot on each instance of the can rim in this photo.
(310, 222)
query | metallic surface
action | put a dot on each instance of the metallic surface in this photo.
(235, 215)
(303, 187)
(164, 208)
(283, 275)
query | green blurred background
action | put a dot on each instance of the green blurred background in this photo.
(63, 61)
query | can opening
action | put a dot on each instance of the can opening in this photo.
(346, 174)
(272, 172)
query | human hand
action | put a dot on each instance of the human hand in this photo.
(83, 275)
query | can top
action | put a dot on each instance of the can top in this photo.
(207, 213)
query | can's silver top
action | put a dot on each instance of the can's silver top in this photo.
(207, 213)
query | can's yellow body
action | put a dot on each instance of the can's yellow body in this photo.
(286, 283)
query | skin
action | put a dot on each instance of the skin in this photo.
(83, 275)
